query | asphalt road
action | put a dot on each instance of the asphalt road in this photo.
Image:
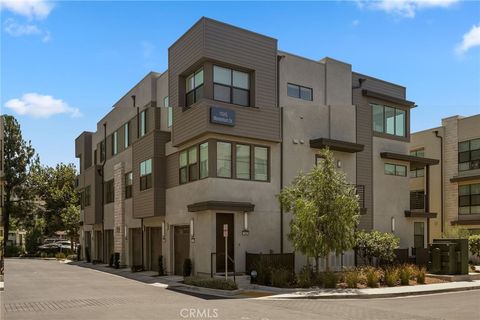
(38, 289)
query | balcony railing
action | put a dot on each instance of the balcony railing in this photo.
(361, 194)
(417, 200)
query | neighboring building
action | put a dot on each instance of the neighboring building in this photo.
(213, 140)
(456, 199)
(2, 182)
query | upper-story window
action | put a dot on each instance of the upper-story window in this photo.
(146, 174)
(109, 192)
(115, 143)
(128, 185)
(260, 163)
(242, 159)
(194, 87)
(469, 155)
(87, 196)
(143, 123)
(395, 170)
(469, 199)
(203, 160)
(417, 172)
(231, 86)
(224, 159)
(189, 163)
(299, 92)
(126, 132)
(166, 104)
(389, 120)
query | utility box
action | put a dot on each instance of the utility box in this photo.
(449, 256)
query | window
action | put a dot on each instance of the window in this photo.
(87, 196)
(417, 172)
(231, 86)
(143, 123)
(115, 143)
(417, 200)
(204, 160)
(242, 161)
(194, 87)
(109, 192)
(395, 170)
(95, 156)
(224, 159)
(469, 155)
(102, 151)
(128, 185)
(418, 234)
(261, 163)
(146, 174)
(166, 104)
(299, 92)
(183, 167)
(389, 120)
(469, 199)
(192, 164)
(126, 133)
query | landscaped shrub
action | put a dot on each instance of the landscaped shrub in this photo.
(391, 276)
(329, 279)
(264, 273)
(281, 277)
(421, 273)
(305, 277)
(213, 283)
(44, 255)
(13, 251)
(405, 274)
(352, 278)
(373, 276)
(72, 257)
(60, 256)
(376, 244)
(187, 267)
(474, 245)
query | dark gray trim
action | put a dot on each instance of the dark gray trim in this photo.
(420, 214)
(414, 161)
(464, 222)
(381, 96)
(221, 205)
(465, 178)
(336, 145)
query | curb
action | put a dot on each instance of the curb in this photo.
(206, 291)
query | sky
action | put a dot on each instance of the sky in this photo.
(64, 64)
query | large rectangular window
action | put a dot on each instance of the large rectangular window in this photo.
(231, 86)
(166, 104)
(469, 155)
(126, 133)
(395, 170)
(115, 143)
(417, 172)
(419, 234)
(389, 120)
(469, 199)
(194, 87)
(87, 196)
(242, 160)
(260, 163)
(128, 185)
(192, 164)
(143, 123)
(299, 92)
(109, 192)
(146, 174)
(204, 160)
(183, 166)
(224, 159)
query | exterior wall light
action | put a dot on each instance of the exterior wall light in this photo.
(192, 232)
(295, 141)
(339, 163)
(245, 231)
(393, 224)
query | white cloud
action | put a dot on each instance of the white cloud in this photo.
(470, 39)
(16, 29)
(404, 8)
(41, 106)
(32, 9)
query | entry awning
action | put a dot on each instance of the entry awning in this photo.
(382, 96)
(337, 145)
(221, 205)
(465, 178)
(465, 222)
(415, 162)
(420, 214)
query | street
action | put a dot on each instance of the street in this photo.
(40, 289)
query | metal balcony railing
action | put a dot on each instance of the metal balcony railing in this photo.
(417, 200)
(361, 194)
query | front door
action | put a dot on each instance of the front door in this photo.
(155, 244)
(136, 246)
(224, 218)
(98, 246)
(181, 247)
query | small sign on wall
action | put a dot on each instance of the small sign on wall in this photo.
(222, 116)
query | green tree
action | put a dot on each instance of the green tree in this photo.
(19, 157)
(325, 211)
(376, 244)
(474, 245)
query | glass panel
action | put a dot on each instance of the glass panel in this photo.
(166, 102)
(243, 161)
(420, 172)
(413, 173)
(204, 160)
(400, 123)
(199, 78)
(377, 118)
(183, 175)
(221, 93)
(389, 169)
(475, 188)
(464, 146)
(418, 241)
(421, 153)
(129, 179)
(222, 75)
(475, 200)
(240, 80)
(464, 166)
(475, 155)
(190, 83)
(115, 142)
(169, 117)
(183, 159)
(143, 123)
(464, 201)
(293, 91)
(224, 159)
(464, 190)
(475, 144)
(193, 172)
(418, 228)
(192, 155)
(261, 163)
(475, 210)
(306, 93)
(142, 168)
(240, 97)
(389, 120)
(464, 210)
(464, 156)
(190, 98)
(127, 134)
(198, 93)
(148, 166)
(401, 170)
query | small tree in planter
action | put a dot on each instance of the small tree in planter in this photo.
(474, 245)
(376, 244)
(325, 211)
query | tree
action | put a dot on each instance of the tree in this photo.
(474, 245)
(325, 211)
(376, 244)
(19, 156)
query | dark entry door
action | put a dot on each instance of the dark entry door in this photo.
(136, 246)
(155, 247)
(181, 244)
(88, 246)
(98, 246)
(109, 243)
(224, 218)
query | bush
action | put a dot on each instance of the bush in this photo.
(421, 272)
(352, 278)
(329, 279)
(405, 275)
(391, 277)
(187, 267)
(13, 251)
(213, 283)
(32, 239)
(373, 276)
(72, 257)
(376, 244)
(281, 277)
(44, 255)
(305, 277)
(264, 273)
(474, 245)
(60, 256)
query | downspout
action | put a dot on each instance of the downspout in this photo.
(281, 149)
(427, 200)
(441, 178)
(103, 188)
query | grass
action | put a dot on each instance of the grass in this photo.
(212, 283)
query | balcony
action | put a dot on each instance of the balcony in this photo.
(418, 199)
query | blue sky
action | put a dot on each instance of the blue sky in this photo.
(64, 64)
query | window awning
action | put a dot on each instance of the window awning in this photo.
(420, 214)
(415, 162)
(336, 145)
(221, 205)
(465, 178)
(382, 96)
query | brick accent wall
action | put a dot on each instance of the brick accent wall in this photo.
(119, 211)
(451, 169)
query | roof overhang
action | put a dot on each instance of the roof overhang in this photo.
(464, 222)
(415, 162)
(336, 145)
(382, 96)
(221, 206)
(420, 214)
(465, 178)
